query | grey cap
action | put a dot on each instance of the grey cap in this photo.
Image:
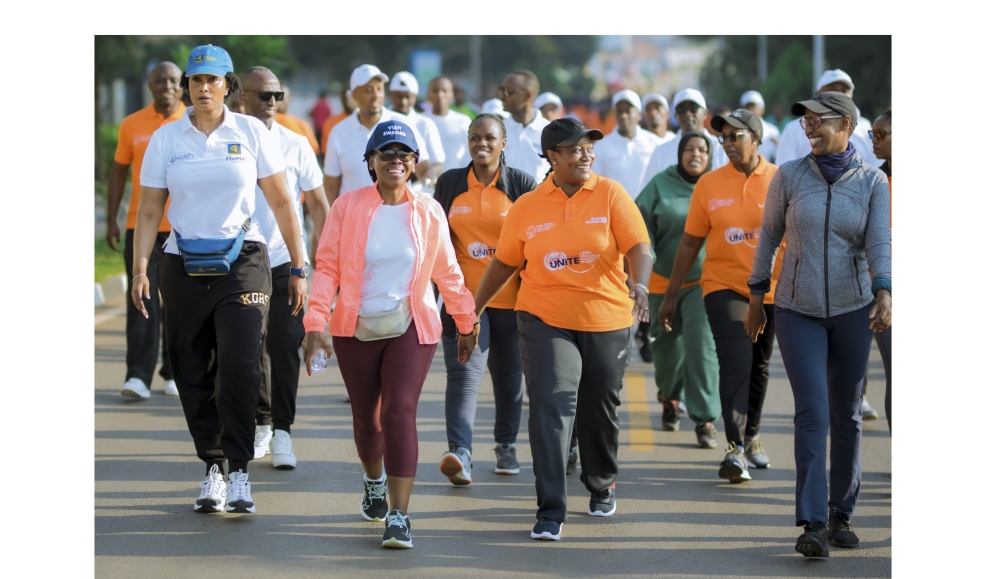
(741, 119)
(829, 102)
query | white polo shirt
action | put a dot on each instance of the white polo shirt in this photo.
(666, 155)
(794, 143)
(345, 149)
(768, 148)
(429, 131)
(302, 173)
(623, 159)
(666, 137)
(524, 146)
(454, 130)
(211, 179)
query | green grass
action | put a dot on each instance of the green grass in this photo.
(107, 263)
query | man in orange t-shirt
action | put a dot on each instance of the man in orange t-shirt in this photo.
(294, 123)
(142, 335)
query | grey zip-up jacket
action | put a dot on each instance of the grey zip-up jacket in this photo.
(835, 234)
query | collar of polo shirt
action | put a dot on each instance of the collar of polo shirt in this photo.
(548, 186)
(228, 120)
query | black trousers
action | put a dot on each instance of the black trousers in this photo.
(142, 335)
(743, 363)
(884, 341)
(279, 360)
(215, 331)
(571, 375)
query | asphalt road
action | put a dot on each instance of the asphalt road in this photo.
(675, 517)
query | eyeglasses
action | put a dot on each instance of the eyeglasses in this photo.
(387, 155)
(733, 137)
(504, 91)
(687, 107)
(815, 122)
(880, 135)
(265, 95)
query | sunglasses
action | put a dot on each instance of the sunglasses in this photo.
(687, 107)
(815, 122)
(265, 95)
(387, 155)
(733, 137)
(880, 135)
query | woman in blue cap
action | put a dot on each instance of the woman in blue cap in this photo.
(381, 247)
(215, 276)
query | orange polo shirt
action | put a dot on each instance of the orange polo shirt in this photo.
(727, 208)
(328, 125)
(475, 219)
(133, 138)
(574, 247)
(300, 126)
(658, 284)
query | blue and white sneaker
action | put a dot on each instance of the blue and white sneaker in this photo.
(547, 530)
(602, 504)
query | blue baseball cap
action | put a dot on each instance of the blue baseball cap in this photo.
(390, 132)
(209, 59)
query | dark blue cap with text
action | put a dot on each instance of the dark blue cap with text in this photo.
(390, 132)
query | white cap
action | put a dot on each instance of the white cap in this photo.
(547, 98)
(494, 107)
(627, 95)
(365, 73)
(654, 97)
(689, 94)
(832, 76)
(404, 81)
(752, 96)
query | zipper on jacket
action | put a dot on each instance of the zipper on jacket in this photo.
(826, 246)
(857, 278)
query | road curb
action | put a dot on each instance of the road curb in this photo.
(110, 289)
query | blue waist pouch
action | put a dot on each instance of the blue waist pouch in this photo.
(210, 256)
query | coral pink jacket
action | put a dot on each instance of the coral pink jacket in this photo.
(340, 263)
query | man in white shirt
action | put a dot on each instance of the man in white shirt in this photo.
(656, 116)
(753, 101)
(403, 91)
(452, 126)
(690, 111)
(344, 164)
(525, 124)
(550, 105)
(624, 154)
(794, 144)
(284, 332)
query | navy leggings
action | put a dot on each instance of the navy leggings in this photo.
(826, 360)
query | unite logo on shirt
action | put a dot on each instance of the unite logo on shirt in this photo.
(736, 235)
(534, 230)
(714, 204)
(459, 210)
(140, 139)
(557, 260)
(596, 220)
(480, 250)
(181, 157)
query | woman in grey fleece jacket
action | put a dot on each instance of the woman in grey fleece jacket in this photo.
(832, 209)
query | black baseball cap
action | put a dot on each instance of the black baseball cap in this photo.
(828, 102)
(566, 131)
(741, 119)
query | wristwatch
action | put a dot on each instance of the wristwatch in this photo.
(300, 271)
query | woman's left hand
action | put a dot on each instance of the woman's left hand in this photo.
(640, 298)
(881, 313)
(297, 291)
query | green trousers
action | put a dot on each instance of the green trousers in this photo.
(685, 359)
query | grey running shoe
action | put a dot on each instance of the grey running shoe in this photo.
(671, 420)
(706, 435)
(506, 459)
(602, 504)
(456, 464)
(571, 461)
(839, 530)
(734, 466)
(756, 456)
(547, 530)
(812, 543)
(374, 504)
(397, 531)
(867, 412)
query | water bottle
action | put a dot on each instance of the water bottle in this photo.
(318, 363)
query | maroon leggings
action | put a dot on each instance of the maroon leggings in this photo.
(384, 379)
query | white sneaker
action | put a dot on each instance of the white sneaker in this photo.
(261, 437)
(170, 388)
(238, 494)
(213, 492)
(282, 455)
(135, 388)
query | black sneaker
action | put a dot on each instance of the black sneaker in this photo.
(671, 418)
(571, 461)
(734, 466)
(547, 530)
(839, 531)
(506, 459)
(706, 435)
(374, 504)
(812, 543)
(397, 531)
(602, 504)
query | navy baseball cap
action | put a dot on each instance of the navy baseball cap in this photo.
(390, 132)
(209, 59)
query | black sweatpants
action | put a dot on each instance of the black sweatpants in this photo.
(743, 363)
(571, 375)
(215, 329)
(884, 341)
(279, 360)
(142, 335)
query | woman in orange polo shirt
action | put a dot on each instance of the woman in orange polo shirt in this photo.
(575, 313)
(727, 208)
(476, 199)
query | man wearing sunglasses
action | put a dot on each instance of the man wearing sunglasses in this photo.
(283, 332)
(690, 111)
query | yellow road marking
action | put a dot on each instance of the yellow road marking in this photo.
(640, 432)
